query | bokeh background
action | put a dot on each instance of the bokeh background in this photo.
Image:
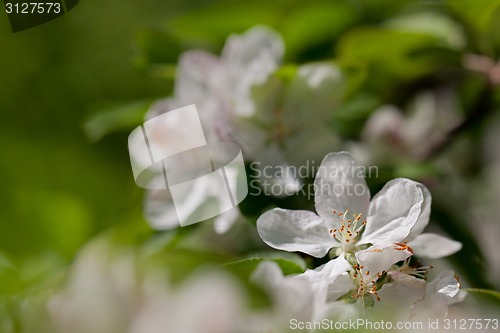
(71, 90)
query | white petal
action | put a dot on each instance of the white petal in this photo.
(340, 185)
(445, 285)
(293, 295)
(425, 212)
(433, 246)
(430, 307)
(298, 230)
(343, 283)
(268, 273)
(194, 74)
(248, 60)
(225, 221)
(159, 210)
(402, 292)
(376, 260)
(442, 291)
(316, 74)
(328, 272)
(393, 212)
(243, 50)
(385, 122)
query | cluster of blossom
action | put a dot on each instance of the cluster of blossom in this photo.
(373, 245)
(273, 125)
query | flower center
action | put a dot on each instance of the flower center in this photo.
(415, 269)
(349, 231)
(366, 283)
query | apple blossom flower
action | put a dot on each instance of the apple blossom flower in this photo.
(306, 297)
(221, 90)
(442, 291)
(347, 220)
(270, 134)
(390, 134)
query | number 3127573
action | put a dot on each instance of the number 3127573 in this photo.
(33, 8)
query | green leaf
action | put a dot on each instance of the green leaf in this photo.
(433, 24)
(493, 293)
(156, 47)
(289, 263)
(209, 26)
(179, 263)
(315, 23)
(477, 13)
(115, 117)
(389, 52)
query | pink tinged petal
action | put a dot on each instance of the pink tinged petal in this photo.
(194, 74)
(433, 246)
(393, 212)
(248, 60)
(379, 260)
(425, 213)
(295, 230)
(340, 185)
(242, 50)
(386, 124)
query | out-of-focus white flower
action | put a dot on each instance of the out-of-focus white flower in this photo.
(347, 219)
(390, 134)
(332, 276)
(275, 129)
(441, 292)
(307, 297)
(293, 297)
(220, 87)
(107, 293)
(205, 303)
(101, 296)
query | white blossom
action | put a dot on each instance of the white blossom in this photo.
(347, 220)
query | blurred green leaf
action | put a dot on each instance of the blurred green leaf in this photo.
(401, 54)
(61, 222)
(208, 27)
(349, 119)
(314, 23)
(179, 263)
(116, 117)
(289, 263)
(493, 293)
(433, 24)
(478, 13)
(156, 47)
